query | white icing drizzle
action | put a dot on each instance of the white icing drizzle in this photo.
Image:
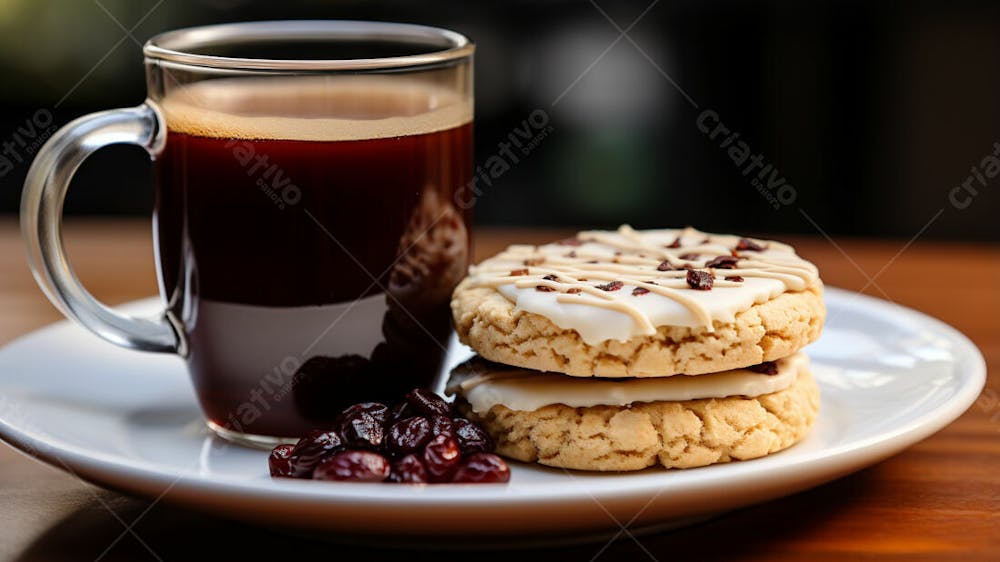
(567, 274)
(484, 385)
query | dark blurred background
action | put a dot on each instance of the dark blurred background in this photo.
(874, 112)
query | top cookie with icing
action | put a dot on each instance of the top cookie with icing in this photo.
(619, 285)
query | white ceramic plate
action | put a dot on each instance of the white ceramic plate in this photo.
(127, 420)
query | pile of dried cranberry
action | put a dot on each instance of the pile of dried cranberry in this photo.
(415, 441)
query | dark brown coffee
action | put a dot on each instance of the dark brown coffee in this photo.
(310, 256)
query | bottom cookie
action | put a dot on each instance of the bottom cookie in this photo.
(684, 434)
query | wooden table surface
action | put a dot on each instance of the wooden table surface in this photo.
(939, 500)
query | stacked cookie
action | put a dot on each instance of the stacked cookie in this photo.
(619, 350)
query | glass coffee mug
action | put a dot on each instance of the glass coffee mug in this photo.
(309, 219)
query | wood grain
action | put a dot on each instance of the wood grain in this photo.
(939, 500)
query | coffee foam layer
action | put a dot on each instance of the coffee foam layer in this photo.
(314, 108)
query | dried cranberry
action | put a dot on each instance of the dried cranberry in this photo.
(441, 457)
(574, 291)
(441, 425)
(639, 291)
(544, 289)
(408, 470)
(675, 244)
(354, 466)
(427, 403)
(280, 461)
(534, 261)
(376, 410)
(401, 411)
(482, 468)
(765, 368)
(611, 286)
(311, 449)
(689, 256)
(362, 425)
(518, 272)
(407, 436)
(665, 266)
(736, 278)
(471, 437)
(550, 277)
(745, 245)
(700, 280)
(722, 262)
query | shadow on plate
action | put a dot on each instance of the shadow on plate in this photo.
(159, 417)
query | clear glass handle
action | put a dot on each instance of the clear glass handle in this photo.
(41, 224)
